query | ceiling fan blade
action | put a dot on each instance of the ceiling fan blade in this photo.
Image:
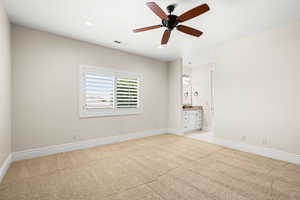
(193, 13)
(147, 28)
(189, 30)
(157, 10)
(166, 37)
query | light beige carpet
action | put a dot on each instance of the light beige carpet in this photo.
(165, 167)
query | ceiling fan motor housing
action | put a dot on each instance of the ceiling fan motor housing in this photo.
(170, 8)
(171, 22)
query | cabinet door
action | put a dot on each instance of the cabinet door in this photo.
(186, 119)
(199, 119)
(196, 121)
(192, 119)
(198, 115)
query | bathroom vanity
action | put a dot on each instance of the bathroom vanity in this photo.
(192, 118)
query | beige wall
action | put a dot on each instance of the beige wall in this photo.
(257, 89)
(175, 96)
(45, 90)
(5, 86)
(201, 84)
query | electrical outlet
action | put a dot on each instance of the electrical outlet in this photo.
(75, 137)
(244, 138)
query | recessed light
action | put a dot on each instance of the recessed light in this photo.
(161, 46)
(88, 23)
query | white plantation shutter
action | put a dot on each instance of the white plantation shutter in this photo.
(127, 93)
(106, 92)
(99, 91)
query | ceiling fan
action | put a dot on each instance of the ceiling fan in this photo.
(171, 21)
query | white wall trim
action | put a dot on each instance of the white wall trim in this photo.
(38, 152)
(263, 151)
(175, 131)
(193, 129)
(5, 166)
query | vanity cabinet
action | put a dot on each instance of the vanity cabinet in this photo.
(192, 120)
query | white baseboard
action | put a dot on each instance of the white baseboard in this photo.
(4, 167)
(263, 151)
(192, 129)
(175, 131)
(38, 152)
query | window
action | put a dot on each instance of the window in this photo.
(127, 93)
(105, 92)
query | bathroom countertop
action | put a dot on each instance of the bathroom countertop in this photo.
(188, 108)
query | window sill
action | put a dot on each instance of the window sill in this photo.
(100, 115)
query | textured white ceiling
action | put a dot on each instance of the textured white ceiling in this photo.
(115, 19)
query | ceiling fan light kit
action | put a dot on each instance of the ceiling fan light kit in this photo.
(172, 21)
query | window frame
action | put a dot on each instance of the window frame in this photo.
(102, 112)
